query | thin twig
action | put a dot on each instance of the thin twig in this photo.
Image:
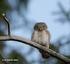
(8, 24)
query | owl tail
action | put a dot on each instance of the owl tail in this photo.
(44, 54)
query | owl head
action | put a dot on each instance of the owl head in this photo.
(40, 26)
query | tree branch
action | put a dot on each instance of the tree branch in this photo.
(38, 46)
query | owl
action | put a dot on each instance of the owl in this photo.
(41, 36)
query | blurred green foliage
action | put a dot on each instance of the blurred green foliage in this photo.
(3, 6)
(2, 44)
(20, 59)
(54, 48)
(1, 59)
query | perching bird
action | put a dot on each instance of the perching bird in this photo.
(41, 36)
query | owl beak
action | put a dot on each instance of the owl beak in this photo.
(40, 29)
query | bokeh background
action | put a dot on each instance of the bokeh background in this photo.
(22, 15)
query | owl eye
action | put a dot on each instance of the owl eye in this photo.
(44, 26)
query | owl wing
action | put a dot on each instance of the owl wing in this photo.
(46, 39)
(48, 33)
(34, 36)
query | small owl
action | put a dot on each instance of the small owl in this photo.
(41, 36)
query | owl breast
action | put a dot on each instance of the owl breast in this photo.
(41, 37)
